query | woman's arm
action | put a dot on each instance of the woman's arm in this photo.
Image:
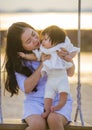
(63, 54)
(70, 71)
(32, 81)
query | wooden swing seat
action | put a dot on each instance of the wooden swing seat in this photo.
(16, 124)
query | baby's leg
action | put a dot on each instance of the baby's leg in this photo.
(63, 99)
(47, 107)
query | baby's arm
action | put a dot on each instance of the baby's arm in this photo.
(31, 56)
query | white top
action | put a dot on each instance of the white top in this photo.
(55, 62)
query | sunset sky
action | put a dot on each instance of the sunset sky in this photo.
(9, 5)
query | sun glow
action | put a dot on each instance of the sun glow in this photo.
(42, 20)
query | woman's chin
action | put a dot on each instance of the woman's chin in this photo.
(37, 47)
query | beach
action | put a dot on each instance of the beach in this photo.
(13, 106)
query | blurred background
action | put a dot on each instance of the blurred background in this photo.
(40, 14)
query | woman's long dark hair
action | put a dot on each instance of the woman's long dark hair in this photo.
(13, 61)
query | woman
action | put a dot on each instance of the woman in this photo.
(26, 75)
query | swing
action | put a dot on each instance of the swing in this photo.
(18, 125)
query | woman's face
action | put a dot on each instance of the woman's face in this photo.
(30, 39)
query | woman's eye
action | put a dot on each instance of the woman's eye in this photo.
(33, 34)
(28, 41)
(46, 39)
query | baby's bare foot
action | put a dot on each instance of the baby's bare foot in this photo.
(52, 109)
(45, 114)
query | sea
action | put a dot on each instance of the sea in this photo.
(42, 20)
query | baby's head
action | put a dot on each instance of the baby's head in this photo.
(53, 34)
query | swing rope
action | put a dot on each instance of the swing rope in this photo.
(1, 117)
(78, 109)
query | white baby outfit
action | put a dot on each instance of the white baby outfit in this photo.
(55, 68)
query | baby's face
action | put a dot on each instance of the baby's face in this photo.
(46, 42)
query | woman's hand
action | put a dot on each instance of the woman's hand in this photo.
(45, 57)
(68, 58)
(64, 54)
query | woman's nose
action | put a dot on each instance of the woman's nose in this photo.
(43, 41)
(36, 37)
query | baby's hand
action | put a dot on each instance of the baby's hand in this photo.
(21, 54)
